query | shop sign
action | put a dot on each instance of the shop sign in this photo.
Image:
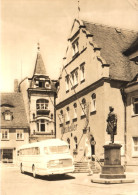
(69, 128)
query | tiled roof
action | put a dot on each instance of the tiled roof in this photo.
(39, 66)
(113, 42)
(15, 104)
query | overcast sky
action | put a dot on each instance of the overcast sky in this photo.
(24, 23)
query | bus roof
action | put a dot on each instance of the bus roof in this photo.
(48, 142)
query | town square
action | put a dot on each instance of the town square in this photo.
(69, 97)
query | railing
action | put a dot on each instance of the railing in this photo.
(97, 160)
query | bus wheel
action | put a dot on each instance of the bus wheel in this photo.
(21, 168)
(33, 171)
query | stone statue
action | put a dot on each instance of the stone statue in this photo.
(112, 123)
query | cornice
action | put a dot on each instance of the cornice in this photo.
(82, 92)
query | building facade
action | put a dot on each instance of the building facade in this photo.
(14, 126)
(95, 69)
(39, 93)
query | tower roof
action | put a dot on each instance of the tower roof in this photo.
(39, 65)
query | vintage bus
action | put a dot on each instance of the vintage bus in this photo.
(47, 157)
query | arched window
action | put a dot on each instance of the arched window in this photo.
(67, 114)
(83, 104)
(75, 110)
(68, 141)
(93, 102)
(42, 104)
(76, 142)
(61, 117)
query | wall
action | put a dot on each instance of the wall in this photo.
(132, 131)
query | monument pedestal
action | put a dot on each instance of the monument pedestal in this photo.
(112, 168)
(112, 171)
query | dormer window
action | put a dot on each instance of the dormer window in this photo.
(8, 116)
(75, 47)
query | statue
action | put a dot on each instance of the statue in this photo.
(111, 124)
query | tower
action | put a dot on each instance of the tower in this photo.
(40, 102)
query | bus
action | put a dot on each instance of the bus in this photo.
(46, 157)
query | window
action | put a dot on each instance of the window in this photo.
(75, 47)
(135, 147)
(29, 151)
(8, 116)
(19, 134)
(74, 76)
(4, 134)
(75, 110)
(61, 117)
(93, 102)
(83, 104)
(43, 125)
(75, 140)
(41, 83)
(67, 115)
(82, 73)
(67, 83)
(42, 104)
(135, 105)
(68, 141)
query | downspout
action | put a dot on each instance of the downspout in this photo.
(124, 97)
(55, 96)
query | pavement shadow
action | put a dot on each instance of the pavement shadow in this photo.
(56, 177)
(52, 177)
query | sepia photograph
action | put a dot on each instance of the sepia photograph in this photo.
(69, 97)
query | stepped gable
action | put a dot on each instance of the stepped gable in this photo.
(15, 104)
(113, 43)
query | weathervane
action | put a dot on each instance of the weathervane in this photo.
(78, 10)
(38, 46)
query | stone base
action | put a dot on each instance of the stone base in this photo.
(112, 176)
(112, 181)
(112, 169)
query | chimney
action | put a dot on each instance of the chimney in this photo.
(15, 85)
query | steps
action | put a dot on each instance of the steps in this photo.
(82, 167)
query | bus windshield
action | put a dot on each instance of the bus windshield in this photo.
(56, 149)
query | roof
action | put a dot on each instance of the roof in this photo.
(39, 65)
(113, 42)
(48, 142)
(14, 103)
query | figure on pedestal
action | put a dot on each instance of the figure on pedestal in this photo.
(111, 123)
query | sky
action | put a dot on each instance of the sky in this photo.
(24, 23)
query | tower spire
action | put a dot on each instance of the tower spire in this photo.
(39, 65)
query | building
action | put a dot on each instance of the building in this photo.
(130, 93)
(39, 93)
(14, 126)
(96, 68)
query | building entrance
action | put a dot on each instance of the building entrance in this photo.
(92, 141)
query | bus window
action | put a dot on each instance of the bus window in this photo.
(56, 149)
(46, 150)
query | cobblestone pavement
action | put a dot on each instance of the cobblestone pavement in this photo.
(13, 183)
